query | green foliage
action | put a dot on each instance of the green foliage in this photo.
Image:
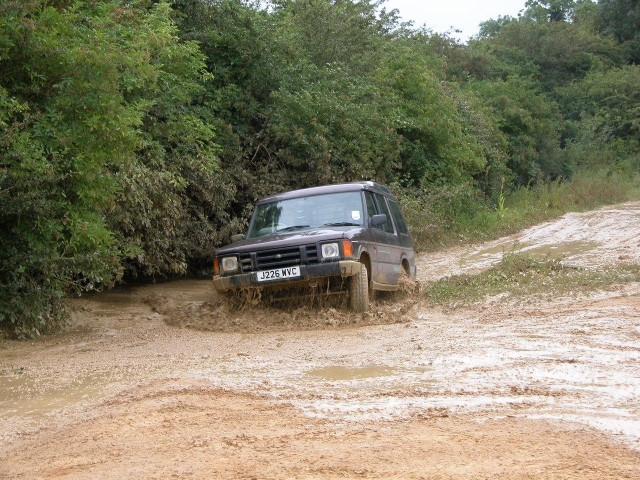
(621, 19)
(347, 33)
(553, 53)
(608, 104)
(328, 138)
(433, 215)
(429, 116)
(531, 125)
(86, 93)
(326, 92)
(500, 207)
(162, 213)
(550, 10)
(492, 27)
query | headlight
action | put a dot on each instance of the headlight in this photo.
(330, 250)
(229, 264)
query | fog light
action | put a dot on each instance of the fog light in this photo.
(330, 250)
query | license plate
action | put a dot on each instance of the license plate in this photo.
(278, 273)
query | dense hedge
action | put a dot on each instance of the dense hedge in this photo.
(135, 136)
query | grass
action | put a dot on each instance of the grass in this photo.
(521, 276)
(455, 215)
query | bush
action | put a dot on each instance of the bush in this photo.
(433, 215)
(87, 92)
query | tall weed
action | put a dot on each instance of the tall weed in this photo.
(433, 215)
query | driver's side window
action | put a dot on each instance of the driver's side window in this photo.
(371, 206)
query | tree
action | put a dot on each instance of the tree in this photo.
(621, 19)
(490, 28)
(609, 103)
(552, 10)
(554, 53)
(531, 125)
(89, 93)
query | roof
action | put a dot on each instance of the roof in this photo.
(336, 188)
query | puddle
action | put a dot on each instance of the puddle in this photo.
(559, 251)
(128, 299)
(497, 250)
(25, 396)
(336, 373)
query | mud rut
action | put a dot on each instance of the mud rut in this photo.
(165, 381)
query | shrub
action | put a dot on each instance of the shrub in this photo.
(86, 92)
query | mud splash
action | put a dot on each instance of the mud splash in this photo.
(220, 315)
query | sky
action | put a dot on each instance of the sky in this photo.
(465, 15)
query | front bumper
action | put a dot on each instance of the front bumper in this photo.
(342, 268)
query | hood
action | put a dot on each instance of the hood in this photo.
(283, 240)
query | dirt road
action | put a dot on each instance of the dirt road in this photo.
(160, 381)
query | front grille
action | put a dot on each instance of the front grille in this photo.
(281, 257)
(245, 262)
(278, 257)
(311, 253)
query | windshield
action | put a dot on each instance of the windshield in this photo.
(329, 210)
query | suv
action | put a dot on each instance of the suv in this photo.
(349, 236)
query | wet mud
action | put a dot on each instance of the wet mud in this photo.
(586, 239)
(220, 314)
(166, 380)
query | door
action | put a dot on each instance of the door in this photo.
(371, 239)
(404, 240)
(388, 247)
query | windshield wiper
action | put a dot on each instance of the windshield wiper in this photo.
(341, 224)
(292, 227)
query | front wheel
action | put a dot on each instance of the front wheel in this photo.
(359, 291)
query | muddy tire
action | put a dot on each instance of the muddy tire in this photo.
(359, 291)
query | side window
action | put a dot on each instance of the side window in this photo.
(384, 209)
(397, 217)
(371, 205)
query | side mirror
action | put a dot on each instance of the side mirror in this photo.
(236, 238)
(379, 219)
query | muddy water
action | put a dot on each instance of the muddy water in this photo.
(24, 395)
(567, 360)
(335, 373)
(565, 252)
